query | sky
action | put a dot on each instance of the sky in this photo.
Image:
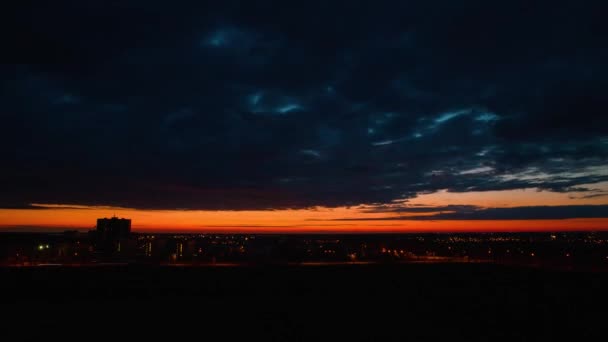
(311, 116)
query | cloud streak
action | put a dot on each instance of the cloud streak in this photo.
(469, 212)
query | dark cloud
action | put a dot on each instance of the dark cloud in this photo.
(421, 209)
(467, 212)
(263, 105)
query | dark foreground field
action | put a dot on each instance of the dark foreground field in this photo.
(343, 303)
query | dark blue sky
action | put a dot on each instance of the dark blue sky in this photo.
(262, 104)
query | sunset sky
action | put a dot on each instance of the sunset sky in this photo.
(265, 116)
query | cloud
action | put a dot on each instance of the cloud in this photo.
(466, 212)
(152, 105)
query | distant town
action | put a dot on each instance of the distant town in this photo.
(112, 242)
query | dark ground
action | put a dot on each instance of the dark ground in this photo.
(457, 302)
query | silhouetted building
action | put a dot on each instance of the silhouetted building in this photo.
(113, 228)
(112, 235)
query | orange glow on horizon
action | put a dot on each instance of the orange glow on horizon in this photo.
(284, 221)
(342, 219)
